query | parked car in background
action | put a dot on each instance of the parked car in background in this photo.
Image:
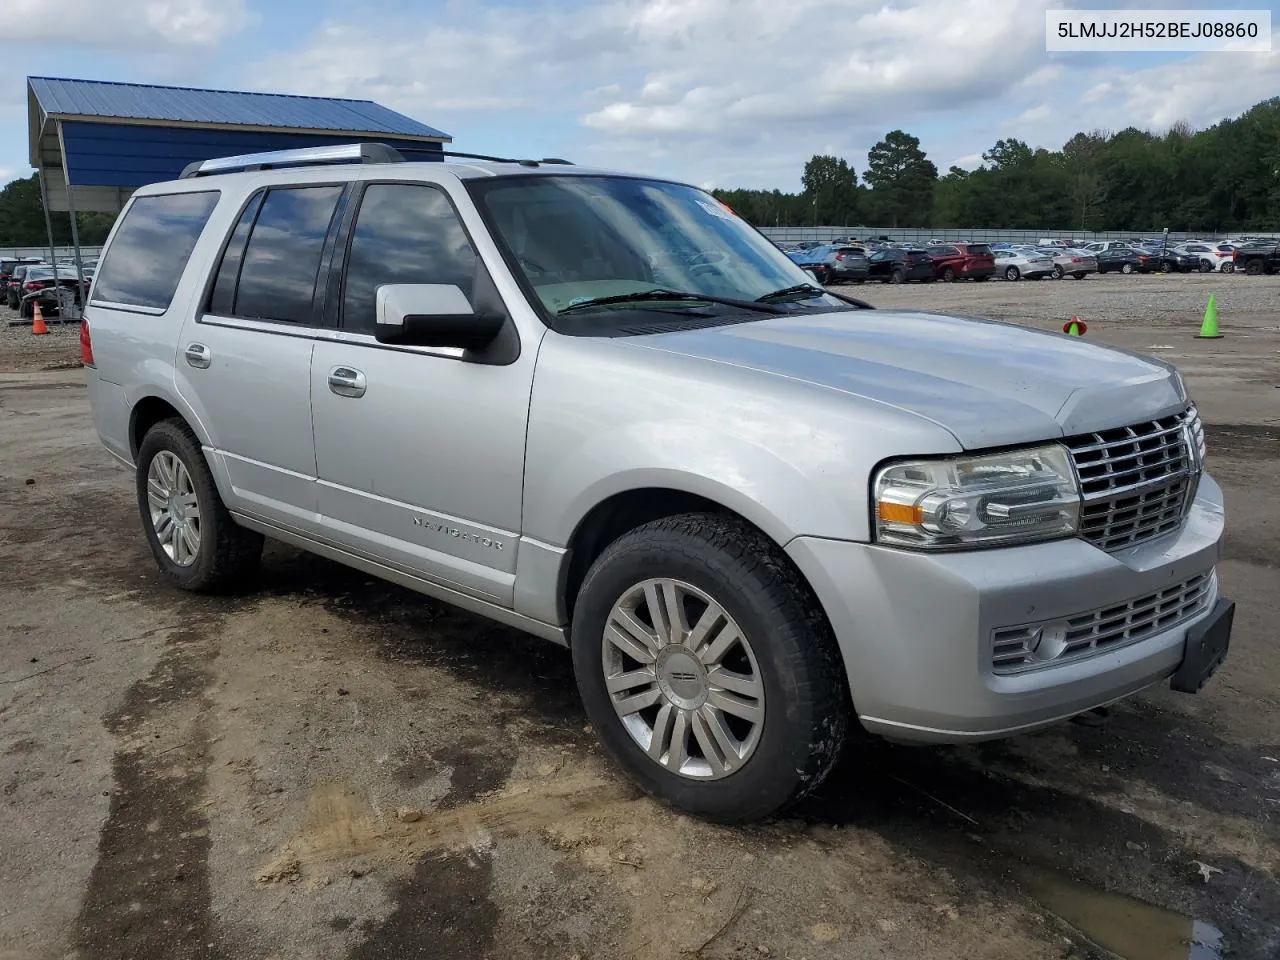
(833, 263)
(898, 265)
(1070, 262)
(13, 290)
(8, 267)
(1170, 259)
(40, 279)
(1123, 259)
(1256, 258)
(962, 261)
(1029, 263)
(1210, 257)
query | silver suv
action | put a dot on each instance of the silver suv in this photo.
(603, 409)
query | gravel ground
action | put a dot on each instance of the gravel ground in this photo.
(20, 349)
(329, 766)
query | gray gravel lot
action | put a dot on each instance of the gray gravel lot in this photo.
(329, 766)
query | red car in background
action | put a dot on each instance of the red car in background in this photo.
(962, 261)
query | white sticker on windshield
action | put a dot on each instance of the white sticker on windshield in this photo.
(715, 209)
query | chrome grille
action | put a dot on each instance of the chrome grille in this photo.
(1016, 649)
(1136, 481)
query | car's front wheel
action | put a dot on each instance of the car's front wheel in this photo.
(948, 275)
(1126, 268)
(1057, 271)
(708, 669)
(191, 534)
(1012, 273)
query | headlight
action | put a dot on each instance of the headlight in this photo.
(995, 499)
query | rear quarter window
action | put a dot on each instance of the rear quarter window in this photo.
(979, 250)
(147, 256)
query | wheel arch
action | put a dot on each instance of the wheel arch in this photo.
(624, 510)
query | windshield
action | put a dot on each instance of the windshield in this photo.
(577, 239)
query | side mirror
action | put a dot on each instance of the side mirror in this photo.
(432, 315)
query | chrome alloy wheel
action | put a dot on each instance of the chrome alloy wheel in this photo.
(174, 509)
(683, 679)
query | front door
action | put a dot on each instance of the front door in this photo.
(419, 452)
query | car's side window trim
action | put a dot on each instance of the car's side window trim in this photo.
(263, 324)
(342, 254)
(211, 281)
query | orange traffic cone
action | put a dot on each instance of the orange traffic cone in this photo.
(1075, 327)
(37, 318)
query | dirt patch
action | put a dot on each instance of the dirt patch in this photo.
(149, 892)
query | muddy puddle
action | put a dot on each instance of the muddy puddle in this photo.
(1129, 928)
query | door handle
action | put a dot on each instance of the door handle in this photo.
(198, 355)
(347, 382)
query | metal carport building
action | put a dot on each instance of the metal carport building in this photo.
(94, 142)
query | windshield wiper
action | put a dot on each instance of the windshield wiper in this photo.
(667, 296)
(808, 290)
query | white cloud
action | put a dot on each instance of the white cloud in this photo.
(743, 91)
(121, 23)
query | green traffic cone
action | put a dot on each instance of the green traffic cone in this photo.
(1209, 329)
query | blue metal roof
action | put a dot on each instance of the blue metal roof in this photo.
(85, 99)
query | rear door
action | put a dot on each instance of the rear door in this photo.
(244, 360)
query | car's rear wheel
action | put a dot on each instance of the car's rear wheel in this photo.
(1228, 267)
(708, 669)
(1057, 271)
(1126, 268)
(1012, 273)
(983, 276)
(1206, 266)
(1253, 268)
(897, 276)
(1079, 274)
(195, 541)
(948, 275)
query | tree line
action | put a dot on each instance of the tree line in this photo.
(22, 219)
(1220, 179)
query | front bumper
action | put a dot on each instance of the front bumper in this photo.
(916, 629)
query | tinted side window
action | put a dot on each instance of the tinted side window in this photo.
(222, 299)
(151, 249)
(404, 233)
(278, 272)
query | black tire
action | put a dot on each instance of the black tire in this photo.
(948, 275)
(1012, 273)
(1057, 271)
(795, 653)
(228, 554)
(982, 277)
(1228, 268)
(897, 276)
(1126, 268)
(1206, 266)
(1080, 275)
(1252, 268)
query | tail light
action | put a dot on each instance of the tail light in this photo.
(1077, 259)
(86, 345)
(839, 256)
(32, 285)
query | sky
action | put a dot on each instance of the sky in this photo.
(714, 92)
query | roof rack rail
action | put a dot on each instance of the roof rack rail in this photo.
(304, 157)
(523, 163)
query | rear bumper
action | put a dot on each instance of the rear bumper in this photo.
(916, 630)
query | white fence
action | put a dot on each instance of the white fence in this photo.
(43, 252)
(972, 234)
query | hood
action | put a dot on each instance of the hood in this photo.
(988, 383)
